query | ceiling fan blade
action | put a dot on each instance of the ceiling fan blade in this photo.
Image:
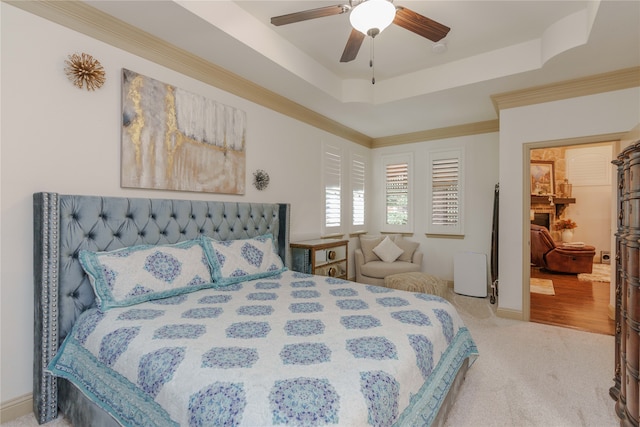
(353, 46)
(420, 25)
(309, 14)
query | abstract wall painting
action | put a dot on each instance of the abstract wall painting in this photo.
(176, 140)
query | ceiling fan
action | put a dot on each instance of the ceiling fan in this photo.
(370, 18)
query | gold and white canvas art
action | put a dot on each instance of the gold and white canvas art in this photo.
(176, 140)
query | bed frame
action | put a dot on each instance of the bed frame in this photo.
(66, 224)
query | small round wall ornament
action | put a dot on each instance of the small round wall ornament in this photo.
(260, 179)
(84, 70)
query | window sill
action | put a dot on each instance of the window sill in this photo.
(444, 236)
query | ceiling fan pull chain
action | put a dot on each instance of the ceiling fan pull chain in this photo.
(371, 58)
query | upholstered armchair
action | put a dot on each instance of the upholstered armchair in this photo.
(372, 269)
(562, 259)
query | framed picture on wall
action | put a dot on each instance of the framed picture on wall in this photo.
(542, 177)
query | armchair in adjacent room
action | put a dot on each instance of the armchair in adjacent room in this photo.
(377, 258)
(562, 259)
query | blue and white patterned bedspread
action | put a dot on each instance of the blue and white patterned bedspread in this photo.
(289, 350)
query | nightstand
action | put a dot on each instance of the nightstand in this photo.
(323, 257)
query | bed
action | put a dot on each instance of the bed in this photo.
(252, 343)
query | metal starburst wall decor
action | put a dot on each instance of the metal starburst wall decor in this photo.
(260, 179)
(84, 69)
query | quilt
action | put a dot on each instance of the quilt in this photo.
(293, 349)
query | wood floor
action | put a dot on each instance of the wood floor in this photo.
(576, 304)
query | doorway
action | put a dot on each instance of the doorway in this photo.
(577, 304)
(574, 301)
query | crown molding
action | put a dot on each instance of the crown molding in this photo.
(579, 140)
(440, 133)
(590, 85)
(85, 19)
(633, 134)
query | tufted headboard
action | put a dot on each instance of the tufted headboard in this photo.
(66, 224)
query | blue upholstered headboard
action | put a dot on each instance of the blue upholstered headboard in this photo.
(65, 224)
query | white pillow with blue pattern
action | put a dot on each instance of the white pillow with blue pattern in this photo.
(142, 273)
(234, 261)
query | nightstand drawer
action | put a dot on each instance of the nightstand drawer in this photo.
(323, 257)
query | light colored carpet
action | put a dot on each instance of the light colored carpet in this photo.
(600, 273)
(528, 375)
(541, 286)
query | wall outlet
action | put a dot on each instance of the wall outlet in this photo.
(605, 257)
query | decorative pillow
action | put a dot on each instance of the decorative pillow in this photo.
(367, 243)
(387, 250)
(408, 247)
(137, 274)
(234, 261)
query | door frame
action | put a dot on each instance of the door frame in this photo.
(526, 203)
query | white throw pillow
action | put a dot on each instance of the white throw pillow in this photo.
(387, 250)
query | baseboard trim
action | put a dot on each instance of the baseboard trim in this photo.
(16, 408)
(508, 313)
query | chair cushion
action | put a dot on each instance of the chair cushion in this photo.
(387, 251)
(367, 243)
(408, 248)
(381, 269)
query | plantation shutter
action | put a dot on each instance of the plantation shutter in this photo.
(445, 203)
(446, 193)
(332, 188)
(358, 192)
(397, 193)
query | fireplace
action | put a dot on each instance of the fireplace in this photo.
(545, 212)
(547, 209)
(543, 219)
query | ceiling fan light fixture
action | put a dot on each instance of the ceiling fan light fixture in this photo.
(440, 47)
(372, 14)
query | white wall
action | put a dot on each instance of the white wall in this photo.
(611, 112)
(58, 138)
(593, 215)
(481, 176)
(594, 197)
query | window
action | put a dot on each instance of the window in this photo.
(445, 193)
(397, 193)
(358, 178)
(397, 197)
(332, 167)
